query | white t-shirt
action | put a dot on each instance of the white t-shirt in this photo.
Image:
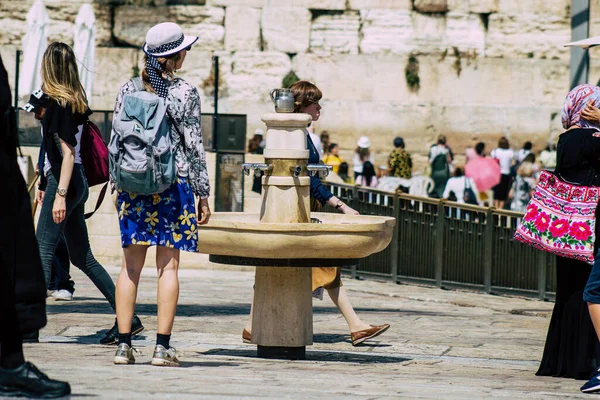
(521, 154)
(77, 151)
(317, 142)
(506, 157)
(357, 163)
(457, 185)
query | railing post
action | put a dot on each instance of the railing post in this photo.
(439, 242)
(394, 245)
(542, 265)
(488, 249)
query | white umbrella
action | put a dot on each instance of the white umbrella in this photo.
(84, 39)
(585, 43)
(34, 46)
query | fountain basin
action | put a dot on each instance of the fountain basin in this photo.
(339, 236)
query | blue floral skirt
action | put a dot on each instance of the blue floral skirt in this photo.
(165, 219)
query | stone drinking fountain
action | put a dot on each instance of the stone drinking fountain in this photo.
(282, 242)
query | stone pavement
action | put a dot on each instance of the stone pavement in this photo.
(442, 344)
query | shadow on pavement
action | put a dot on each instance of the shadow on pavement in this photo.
(94, 306)
(330, 356)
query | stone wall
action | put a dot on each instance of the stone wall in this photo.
(486, 68)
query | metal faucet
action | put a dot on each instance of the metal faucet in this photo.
(257, 167)
(296, 170)
(322, 169)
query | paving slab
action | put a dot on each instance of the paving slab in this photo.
(442, 344)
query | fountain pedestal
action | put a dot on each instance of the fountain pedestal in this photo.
(284, 332)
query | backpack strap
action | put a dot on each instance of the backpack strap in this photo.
(98, 202)
(137, 82)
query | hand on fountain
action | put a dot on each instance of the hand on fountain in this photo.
(204, 211)
(348, 210)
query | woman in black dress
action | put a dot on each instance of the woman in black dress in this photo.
(572, 349)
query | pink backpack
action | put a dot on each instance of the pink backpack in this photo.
(94, 158)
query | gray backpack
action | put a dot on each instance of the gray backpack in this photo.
(140, 149)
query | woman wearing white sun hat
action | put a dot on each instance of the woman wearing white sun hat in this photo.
(362, 154)
(166, 220)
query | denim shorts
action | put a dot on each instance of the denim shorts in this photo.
(591, 293)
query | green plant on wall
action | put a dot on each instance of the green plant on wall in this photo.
(135, 71)
(411, 73)
(457, 62)
(289, 79)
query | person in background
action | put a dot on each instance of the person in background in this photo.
(399, 161)
(368, 177)
(522, 186)
(524, 152)
(343, 173)
(22, 284)
(259, 134)
(456, 186)
(333, 158)
(362, 154)
(325, 141)
(440, 160)
(505, 156)
(547, 158)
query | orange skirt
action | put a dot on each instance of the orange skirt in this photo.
(325, 277)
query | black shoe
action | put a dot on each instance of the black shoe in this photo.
(112, 336)
(32, 337)
(28, 381)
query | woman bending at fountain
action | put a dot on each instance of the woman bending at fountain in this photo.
(166, 220)
(307, 97)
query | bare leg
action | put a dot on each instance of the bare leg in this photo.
(340, 299)
(134, 257)
(249, 323)
(167, 264)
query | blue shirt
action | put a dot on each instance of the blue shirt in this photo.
(317, 189)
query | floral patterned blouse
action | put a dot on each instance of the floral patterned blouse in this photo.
(184, 107)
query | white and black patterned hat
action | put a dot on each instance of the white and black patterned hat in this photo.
(36, 100)
(166, 39)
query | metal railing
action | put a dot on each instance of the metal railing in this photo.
(449, 244)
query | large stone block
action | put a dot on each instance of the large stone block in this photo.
(386, 31)
(254, 74)
(131, 23)
(466, 32)
(386, 4)
(242, 29)
(431, 6)
(240, 3)
(286, 29)
(429, 33)
(557, 8)
(530, 35)
(312, 4)
(114, 67)
(335, 34)
(474, 6)
(62, 14)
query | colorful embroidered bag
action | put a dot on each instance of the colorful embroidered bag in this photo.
(561, 218)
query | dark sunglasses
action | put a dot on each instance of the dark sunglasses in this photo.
(188, 48)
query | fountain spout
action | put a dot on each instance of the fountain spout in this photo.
(322, 169)
(257, 167)
(296, 170)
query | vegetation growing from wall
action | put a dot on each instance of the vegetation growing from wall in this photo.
(411, 73)
(289, 79)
